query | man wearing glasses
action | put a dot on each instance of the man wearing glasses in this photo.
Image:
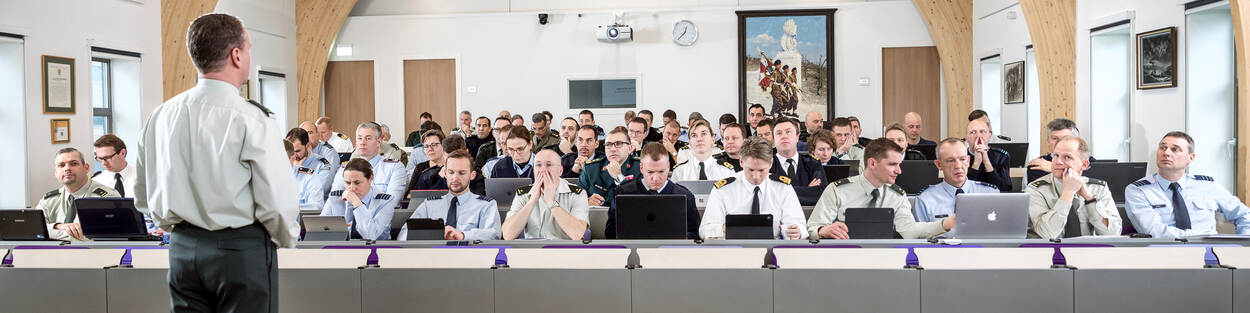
(519, 159)
(601, 176)
(110, 151)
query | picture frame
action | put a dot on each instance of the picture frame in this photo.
(60, 130)
(1013, 82)
(59, 90)
(245, 89)
(1156, 59)
(801, 39)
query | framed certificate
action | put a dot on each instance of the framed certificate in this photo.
(58, 85)
(60, 130)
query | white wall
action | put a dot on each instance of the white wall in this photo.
(515, 63)
(271, 25)
(999, 28)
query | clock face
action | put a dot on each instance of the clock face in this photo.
(685, 32)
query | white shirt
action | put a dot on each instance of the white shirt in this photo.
(684, 155)
(690, 170)
(109, 179)
(776, 198)
(341, 143)
(785, 162)
(211, 159)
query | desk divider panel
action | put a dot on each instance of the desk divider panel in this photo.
(985, 258)
(835, 258)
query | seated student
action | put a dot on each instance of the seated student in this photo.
(390, 176)
(436, 181)
(858, 133)
(567, 134)
(488, 164)
(938, 201)
(653, 134)
(543, 137)
(310, 196)
(1065, 204)
(732, 137)
(722, 123)
(754, 191)
(367, 209)
(764, 129)
(1173, 204)
(896, 133)
(426, 174)
(670, 138)
(821, 144)
(519, 159)
(806, 174)
(704, 166)
(991, 165)
(1055, 130)
(58, 205)
(655, 181)
(872, 188)
(468, 215)
(493, 148)
(550, 208)
(601, 176)
(481, 135)
(418, 156)
(320, 147)
(636, 132)
(847, 147)
(321, 168)
(587, 143)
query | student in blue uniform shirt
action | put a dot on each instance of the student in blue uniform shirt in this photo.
(654, 171)
(309, 187)
(990, 165)
(601, 176)
(587, 149)
(807, 175)
(1173, 204)
(519, 160)
(322, 148)
(468, 216)
(321, 168)
(937, 201)
(389, 176)
(367, 208)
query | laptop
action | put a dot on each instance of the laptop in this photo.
(917, 175)
(21, 225)
(1017, 151)
(398, 220)
(504, 189)
(324, 228)
(700, 188)
(1118, 175)
(835, 172)
(425, 229)
(992, 215)
(104, 219)
(929, 151)
(651, 216)
(749, 226)
(853, 165)
(870, 223)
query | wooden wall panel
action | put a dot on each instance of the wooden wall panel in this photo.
(950, 25)
(1241, 35)
(349, 95)
(1052, 25)
(317, 24)
(911, 82)
(177, 72)
(429, 86)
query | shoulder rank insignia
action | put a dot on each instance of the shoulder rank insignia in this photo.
(100, 192)
(383, 196)
(341, 135)
(389, 161)
(683, 163)
(1096, 181)
(482, 198)
(524, 189)
(723, 182)
(305, 170)
(593, 161)
(730, 166)
(984, 184)
(575, 189)
(780, 178)
(1204, 177)
(324, 161)
(1141, 183)
(53, 193)
(1039, 183)
(336, 193)
(898, 189)
(97, 173)
(434, 197)
(262, 107)
(841, 182)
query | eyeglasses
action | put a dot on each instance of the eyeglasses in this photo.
(615, 144)
(432, 146)
(637, 132)
(105, 158)
(517, 149)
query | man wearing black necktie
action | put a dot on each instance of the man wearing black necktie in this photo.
(1065, 204)
(654, 167)
(110, 151)
(806, 174)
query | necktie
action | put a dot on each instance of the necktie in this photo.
(959, 191)
(117, 184)
(702, 174)
(755, 201)
(451, 212)
(73, 210)
(790, 168)
(876, 193)
(1179, 211)
(1073, 227)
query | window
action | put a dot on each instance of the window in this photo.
(116, 89)
(273, 95)
(992, 88)
(1110, 85)
(1032, 96)
(13, 122)
(1210, 92)
(101, 98)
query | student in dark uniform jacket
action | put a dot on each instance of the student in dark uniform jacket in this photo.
(990, 165)
(653, 134)
(601, 176)
(493, 148)
(480, 136)
(425, 174)
(731, 139)
(655, 181)
(806, 174)
(587, 149)
(820, 145)
(430, 179)
(519, 162)
(895, 133)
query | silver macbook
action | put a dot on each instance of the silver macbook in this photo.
(700, 188)
(324, 228)
(502, 190)
(991, 215)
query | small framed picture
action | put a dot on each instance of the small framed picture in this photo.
(60, 130)
(245, 89)
(1013, 82)
(58, 85)
(1156, 58)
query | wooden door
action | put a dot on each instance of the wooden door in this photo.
(910, 82)
(430, 86)
(349, 95)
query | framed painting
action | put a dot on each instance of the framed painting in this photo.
(785, 62)
(1156, 58)
(1013, 82)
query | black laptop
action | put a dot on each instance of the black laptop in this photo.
(1118, 175)
(426, 229)
(21, 225)
(651, 216)
(1017, 151)
(835, 172)
(929, 151)
(917, 175)
(105, 219)
(749, 226)
(870, 223)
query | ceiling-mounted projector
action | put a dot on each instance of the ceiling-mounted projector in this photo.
(614, 33)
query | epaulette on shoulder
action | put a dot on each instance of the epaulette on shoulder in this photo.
(683, 163)
(433, 197)
(97, 173)
(1204, 177)
(984, 184)
(483, 198)
(780, 178)
(729, 165)
(1141, 183)
(524, 189)
(341, 135)
(389, 161)
(575, 189)
(1039, 183)
(841, 182)
(898, 189)
(325, 161)
(721, 183)
(336, 193)
(595, 160)
(305, 170)
(1096, 181)
(100, 192)
(262, 107)
(53, 193)
(383, 196)
(926, 188)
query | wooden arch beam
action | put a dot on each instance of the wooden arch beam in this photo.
(317, 24)
(950, 25)
(1052, 25)
(1241, 35)
(177, 72)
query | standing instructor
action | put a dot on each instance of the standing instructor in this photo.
(213, 173)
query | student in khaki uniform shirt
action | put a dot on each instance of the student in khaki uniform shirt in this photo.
(58, 205)
(551, 208)
(1065, 203)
